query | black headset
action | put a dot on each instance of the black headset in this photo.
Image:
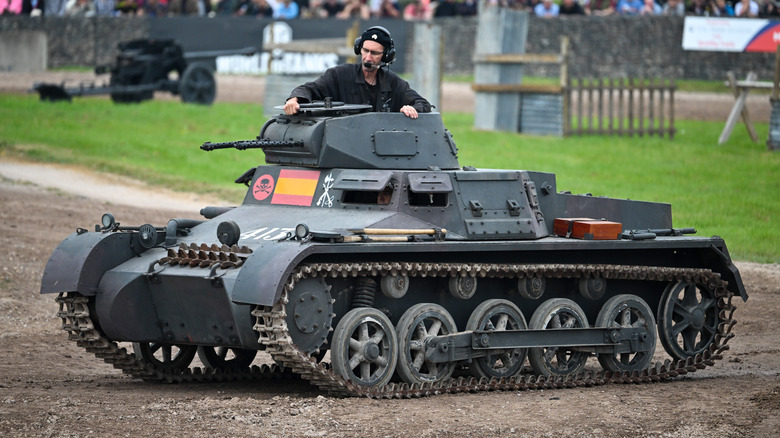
(389, 54)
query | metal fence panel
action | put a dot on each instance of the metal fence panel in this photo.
(541, 114)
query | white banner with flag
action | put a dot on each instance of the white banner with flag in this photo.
(731, 34)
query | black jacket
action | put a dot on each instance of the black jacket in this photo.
(345, 83)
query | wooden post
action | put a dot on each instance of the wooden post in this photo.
(591, 123)
(630, 107)
(671, 109)
(641, 116)
(580, 112)
(661, 108)
(776, 87)
(271, 40)
(621, 112)
(352, 34)
(611, 122)
(565, 84)
(651, 107)
(738, 109)
(601, 106)
(773, 140)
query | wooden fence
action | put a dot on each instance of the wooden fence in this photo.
(588, 106)
(619, 107)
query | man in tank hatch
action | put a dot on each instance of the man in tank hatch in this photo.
(368, 82)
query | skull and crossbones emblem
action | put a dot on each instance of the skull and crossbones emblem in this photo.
(263, 187)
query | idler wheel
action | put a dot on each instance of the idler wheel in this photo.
(498, 315)
(310, 314)
(418, 325)
(628, 311)
(557, 313)
(165, 357)
(687, 319)
(365, 347)
(221, 358)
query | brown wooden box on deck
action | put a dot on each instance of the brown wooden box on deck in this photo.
(596, 230)
(562, 226)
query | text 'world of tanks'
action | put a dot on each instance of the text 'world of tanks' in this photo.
(367, 261)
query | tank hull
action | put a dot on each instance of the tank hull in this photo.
(399, 268)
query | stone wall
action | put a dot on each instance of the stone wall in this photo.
(81, 42)
(609, 47)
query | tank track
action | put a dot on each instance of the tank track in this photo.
(273, 332)
(76, 320)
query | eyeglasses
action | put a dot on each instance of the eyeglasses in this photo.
(372, 52)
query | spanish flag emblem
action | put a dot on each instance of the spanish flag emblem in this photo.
(295, 187)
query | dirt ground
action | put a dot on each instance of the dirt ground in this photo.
(50, 387)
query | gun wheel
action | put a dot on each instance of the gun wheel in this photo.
(197, 85)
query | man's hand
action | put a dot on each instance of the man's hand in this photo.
(408, 111)
(292, 107)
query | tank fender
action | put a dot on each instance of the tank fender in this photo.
(79, 262)
(262, 276)
(729, 272)
(125, 309)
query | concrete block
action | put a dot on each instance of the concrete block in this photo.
(278, 88)
(23, 51)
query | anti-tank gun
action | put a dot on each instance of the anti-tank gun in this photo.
(364, 237)
(144, 66)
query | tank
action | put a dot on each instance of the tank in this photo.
(365, 259)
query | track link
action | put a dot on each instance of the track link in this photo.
(273, 333)
(76, 320)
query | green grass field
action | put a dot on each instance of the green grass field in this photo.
(730, 190)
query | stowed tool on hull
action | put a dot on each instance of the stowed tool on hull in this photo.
(363, 237)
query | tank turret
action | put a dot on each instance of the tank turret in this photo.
(320, 137)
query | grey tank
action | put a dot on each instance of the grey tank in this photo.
(363, 237)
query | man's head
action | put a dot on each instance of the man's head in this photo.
(384, 197)
(379, 40)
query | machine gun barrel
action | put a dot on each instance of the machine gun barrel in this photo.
(251, 144)
(246, 51)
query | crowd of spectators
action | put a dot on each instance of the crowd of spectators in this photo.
(373, 9)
